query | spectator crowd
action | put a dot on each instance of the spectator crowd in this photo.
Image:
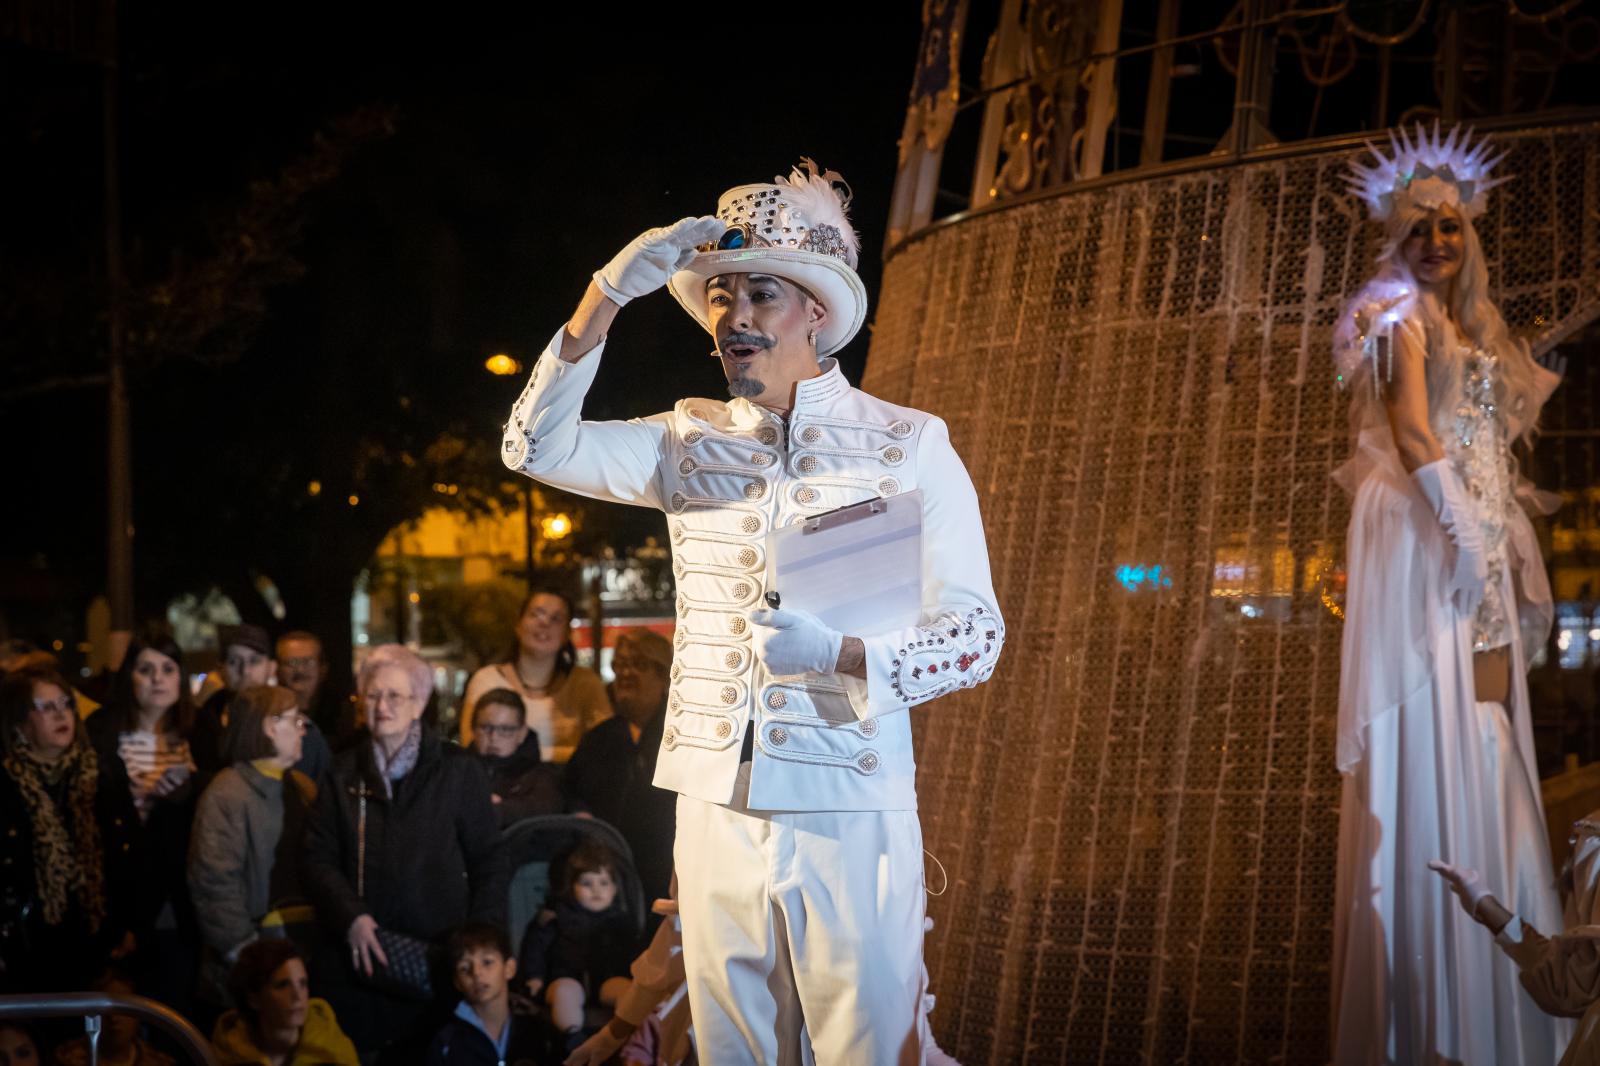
(309, 878)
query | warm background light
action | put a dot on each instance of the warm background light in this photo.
(555, 526)
(501, 364)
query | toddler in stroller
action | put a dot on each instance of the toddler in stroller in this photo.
(578, 950)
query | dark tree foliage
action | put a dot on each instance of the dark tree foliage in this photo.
(329, 224)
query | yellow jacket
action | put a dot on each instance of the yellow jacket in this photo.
(322, 1042)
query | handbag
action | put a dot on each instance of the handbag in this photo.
(409, 974)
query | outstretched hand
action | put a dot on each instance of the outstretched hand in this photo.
(651, 258)
(1466, 883)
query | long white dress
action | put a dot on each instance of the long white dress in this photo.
(1429, 771)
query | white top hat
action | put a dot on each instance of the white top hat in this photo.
(796, 229)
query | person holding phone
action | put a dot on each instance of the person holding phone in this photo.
(146, 727)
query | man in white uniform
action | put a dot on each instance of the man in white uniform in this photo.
(799, 854)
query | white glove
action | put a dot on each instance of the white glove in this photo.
(1448, 498)
(1466, 884)
(654, 256)
(795, 642)
(597, 1049)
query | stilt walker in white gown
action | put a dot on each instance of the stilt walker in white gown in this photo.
(1447, 596)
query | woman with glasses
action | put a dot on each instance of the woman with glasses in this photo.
(403, 847)
(248, 832)
(562, 700)
(69, 841)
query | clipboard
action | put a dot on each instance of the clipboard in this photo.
(858, 569)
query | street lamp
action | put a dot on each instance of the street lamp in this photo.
(556, 526)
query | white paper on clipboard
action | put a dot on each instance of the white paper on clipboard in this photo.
(858, 569)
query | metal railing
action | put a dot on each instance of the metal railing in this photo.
(92, 1006)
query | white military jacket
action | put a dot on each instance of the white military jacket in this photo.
(727, 472)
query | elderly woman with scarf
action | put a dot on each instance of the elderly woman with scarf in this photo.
(71, 835)
(403, 839)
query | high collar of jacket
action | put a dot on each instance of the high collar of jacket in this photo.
(811, 395)
(258, 782)
(429, 750)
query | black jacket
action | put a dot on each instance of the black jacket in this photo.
(433, 854)
(526, 786)
(67, 955)
(572, 942)
(164, 836)
(460, 1043)
(610, 776)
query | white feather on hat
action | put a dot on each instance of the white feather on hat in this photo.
(815, 192)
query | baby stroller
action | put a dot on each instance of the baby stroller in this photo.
(536, 847)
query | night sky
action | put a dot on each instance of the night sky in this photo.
(524, 153)
(332, 217)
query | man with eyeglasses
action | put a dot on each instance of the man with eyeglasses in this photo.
(303, 670)
(799, 854)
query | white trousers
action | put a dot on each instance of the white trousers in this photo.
(802, 933)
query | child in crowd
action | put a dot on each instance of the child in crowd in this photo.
(580, 949)
(520, 785)
(484, 1031)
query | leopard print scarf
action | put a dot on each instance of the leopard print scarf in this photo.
(60, 863)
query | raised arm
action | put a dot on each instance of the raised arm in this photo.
(1561, 973)
(546, 436)
(590, 323)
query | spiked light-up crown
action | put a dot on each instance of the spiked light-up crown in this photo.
(1426, 172)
